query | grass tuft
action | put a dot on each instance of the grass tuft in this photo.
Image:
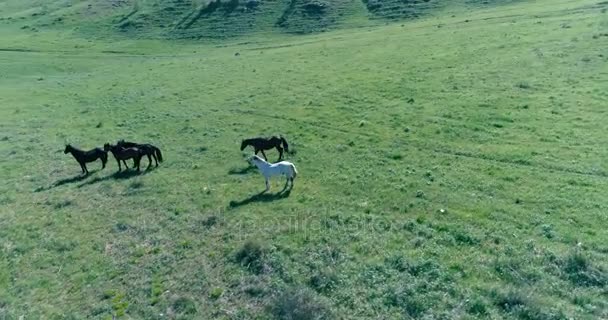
(183, 305)
(299, 304)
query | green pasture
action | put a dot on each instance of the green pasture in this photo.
(452, 166)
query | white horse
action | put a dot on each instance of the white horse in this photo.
(268, 170)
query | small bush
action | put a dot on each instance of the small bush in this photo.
(255, 290)
(396, 156)
(398, 263)
(514, 303)
(510, 300)
(406, 297)
(184, 305)
(463, 238)
(216, 293)
(547, 231)
(579, 270)
(299, 304)
(323, 280)
(121, 226)
(210, 221)
(251, 256)
(477, 307)
(426, 267)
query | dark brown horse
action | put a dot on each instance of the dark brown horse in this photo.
(261, 144)
(87, 156)
(122, 153)
(147, 150)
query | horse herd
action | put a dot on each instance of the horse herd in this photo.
(121, 151)
(124, 150)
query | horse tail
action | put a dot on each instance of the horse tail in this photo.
(285, 145)
(159, 155)
(293, 169)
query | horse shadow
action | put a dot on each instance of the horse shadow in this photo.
(61, 182)
(242, 171)
(261, 197)
(118, 175)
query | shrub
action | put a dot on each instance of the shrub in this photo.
(184, 305)
(216, 293)
(299, 304)
(252, 256)
(477, 307)
(209, 221)
(406, 297)
(579, 270)
(255, 290)
(323, 280)
(510, 300)
(398, 262)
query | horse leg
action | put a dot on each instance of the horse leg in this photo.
(291, 179)
(119, 167)
(86, 171)
(264, 155)
(286, 183)
(267, 185)
(81, 167)
(155, 159)
(150, 162)
(280, 150)
(126, 166)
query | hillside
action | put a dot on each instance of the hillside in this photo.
(218, 19)
(450, 165)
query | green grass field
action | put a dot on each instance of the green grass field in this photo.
(450, 167)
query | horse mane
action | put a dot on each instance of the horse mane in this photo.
(71, 147)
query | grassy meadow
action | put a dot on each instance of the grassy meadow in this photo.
(450, 167)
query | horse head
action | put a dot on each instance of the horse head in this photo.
(68, 147)
(255, 158)
(243, 145)
(107, 147)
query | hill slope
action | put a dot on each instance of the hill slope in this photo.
(216, 19)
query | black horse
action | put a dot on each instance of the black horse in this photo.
(261, 144)
(122, 153)
(146, 150)
(87, 156)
